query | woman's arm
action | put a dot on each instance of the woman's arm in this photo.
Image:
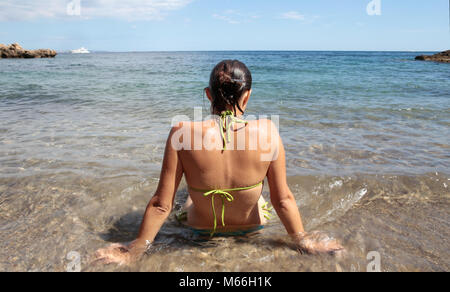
(160, 206)
(280, 195)
(286, 207)
(157, 212)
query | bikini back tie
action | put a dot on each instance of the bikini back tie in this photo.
(224, 195)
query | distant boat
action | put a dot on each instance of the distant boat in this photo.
(80, 51)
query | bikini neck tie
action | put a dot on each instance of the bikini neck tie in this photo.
(227, 118)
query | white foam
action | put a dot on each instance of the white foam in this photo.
(335, 184)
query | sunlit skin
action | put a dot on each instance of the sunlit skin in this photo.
(218, 169)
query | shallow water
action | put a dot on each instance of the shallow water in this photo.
(404, 218)
(366, 134)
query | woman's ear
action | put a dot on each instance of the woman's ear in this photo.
(245, 99)
(208, 94)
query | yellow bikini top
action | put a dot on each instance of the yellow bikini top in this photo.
(227, 118)
(224, 195)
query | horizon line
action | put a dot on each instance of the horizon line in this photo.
(263, 50)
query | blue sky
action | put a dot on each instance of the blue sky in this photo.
(159, 25)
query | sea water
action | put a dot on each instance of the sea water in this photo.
(367, 145)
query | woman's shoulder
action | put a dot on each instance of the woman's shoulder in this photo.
(263, 125)
(193, 127)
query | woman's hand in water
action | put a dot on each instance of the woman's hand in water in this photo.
(119, 254)
(114, 254)
(316, 242)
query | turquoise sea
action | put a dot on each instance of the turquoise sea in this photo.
(366, 136)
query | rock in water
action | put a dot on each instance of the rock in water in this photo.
(443, 57)
(16, 51)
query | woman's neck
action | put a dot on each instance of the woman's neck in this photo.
(236, 113)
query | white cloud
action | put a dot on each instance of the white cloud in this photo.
(121, 9)
(293, 15)
(235, 17)
(226, 18)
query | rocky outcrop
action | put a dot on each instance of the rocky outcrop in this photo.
(443, 57)
(16, 51)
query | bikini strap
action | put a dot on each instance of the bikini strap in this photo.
(227, 118)
(224, 195)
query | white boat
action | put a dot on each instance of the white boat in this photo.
(80, 51)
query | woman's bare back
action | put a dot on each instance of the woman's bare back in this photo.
(210, 167)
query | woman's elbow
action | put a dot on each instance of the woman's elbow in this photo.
(286, 204)
(159, 207)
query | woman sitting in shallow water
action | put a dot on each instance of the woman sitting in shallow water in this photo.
(225, 172)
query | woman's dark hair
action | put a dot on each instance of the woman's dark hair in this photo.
(229, 80)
